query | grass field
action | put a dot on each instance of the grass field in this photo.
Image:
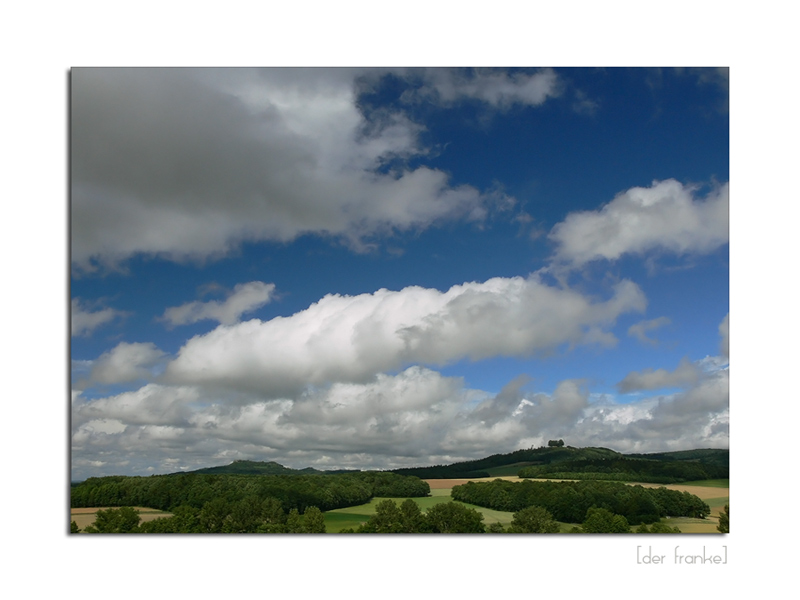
(343, 518)
(714, 492)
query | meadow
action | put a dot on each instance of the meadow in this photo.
(714, 492)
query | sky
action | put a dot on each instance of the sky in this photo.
(378, 268)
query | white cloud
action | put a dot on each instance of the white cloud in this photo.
(418, 416)
(686, 374)
(496, 88)
(724, 331)
(246, 297)
(126, 362)
(351, 338)
(639, 330)
(85, 321)
(665, 216)
(188, 163)
(149, 405)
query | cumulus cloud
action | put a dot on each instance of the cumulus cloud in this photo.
(686, 374)
(416, 417)
(351, 338)
(188, 163)
(150, 405)
(666, 216)
(126, 362)
(639, 330)
(245, 297)
(85, 320)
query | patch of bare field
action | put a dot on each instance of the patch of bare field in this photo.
(84, 517)
(704, 493)
(447, 484)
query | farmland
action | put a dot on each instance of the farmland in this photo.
(84, 517)
(248, 496)
(712, 493)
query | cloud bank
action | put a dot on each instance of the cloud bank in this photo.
(351, 338)
(417, 417)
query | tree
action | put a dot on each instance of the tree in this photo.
(314, 521)
(387, 519)
(411, 517)
(293, 522)
(724, 522)
(657, 527)
(212, 516)
(73, 527)
(533, 519)
(115, 520)
(452, 517)
(601, 520)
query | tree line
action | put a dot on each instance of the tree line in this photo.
(570, 501)
(167, 492)
(248, 515)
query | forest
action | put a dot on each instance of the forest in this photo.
(166, 492)
(570, 501)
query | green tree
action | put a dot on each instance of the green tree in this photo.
(601, 520)
(411, 517)
(533, 519)
(213, 514)
(293, 522)
(73, 527)
(314, 521)
(387, 519)
(452, 517)
(115, 520)
(657, 527)
(724, 521)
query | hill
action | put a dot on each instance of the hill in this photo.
(587, 463)
(252, 467)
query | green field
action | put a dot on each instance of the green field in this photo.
(352, 517)
(343, 518)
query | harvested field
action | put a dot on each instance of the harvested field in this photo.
(84, 517)
(448, 484)
(702, 492)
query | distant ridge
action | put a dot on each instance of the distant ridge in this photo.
(252, 467)
(567, 462)
(571, 462)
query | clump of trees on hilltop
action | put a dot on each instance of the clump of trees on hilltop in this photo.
(623, 468)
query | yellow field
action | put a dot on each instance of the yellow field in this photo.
(85, 516)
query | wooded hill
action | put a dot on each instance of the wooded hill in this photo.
(587, 463)
(251, 467)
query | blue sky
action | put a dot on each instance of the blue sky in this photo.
(372, 268)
